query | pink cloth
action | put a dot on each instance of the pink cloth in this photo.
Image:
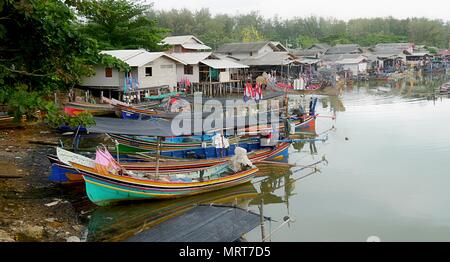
(104, 158)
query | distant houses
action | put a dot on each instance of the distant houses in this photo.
(260, 57)
(191, 65)
(184, 43)
(249, 50)
(205, 66)
(344, 49)
(356, 65)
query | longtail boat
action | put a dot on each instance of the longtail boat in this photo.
(76, 108)
(63, 172)
(146, 144)
(162, 96)
(108, 182)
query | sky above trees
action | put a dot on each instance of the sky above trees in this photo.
(342, 9)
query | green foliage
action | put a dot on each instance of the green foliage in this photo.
(22, 102)
(40, 46)
(119, 24)
(432, 50)
(306, 41)
(250, 34)
(56, 118)
(373, 39)
(41, 51)
(222, 28)
(111, 61)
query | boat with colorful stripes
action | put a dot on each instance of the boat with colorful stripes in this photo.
(63, 172)
(108, 182)
(132, 144)
(307, 123)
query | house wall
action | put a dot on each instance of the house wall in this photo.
(160, 76)
(265, 49)
(356, 68)
(194, 78)
(225, 76)
(100, 79)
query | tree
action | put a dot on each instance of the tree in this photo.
(53, 55)
(120, 24)
(306, 41)
(250, 34)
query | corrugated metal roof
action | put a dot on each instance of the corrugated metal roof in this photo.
(307, 52)
(308, 61)
(271, 58)
(192, 58)
(419, 54)
(196, 46)
(337, 57)
(244, 47)
(320, 46)
(402, 46)
(138, 57)
(123, 54)
(180, 39)
(222, 64)
(344, 49)
(352, 60)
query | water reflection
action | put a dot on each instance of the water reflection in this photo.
(117, 223)
(384, 180)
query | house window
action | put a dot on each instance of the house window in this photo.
(188, 70)
(108, 72)
(148, 71)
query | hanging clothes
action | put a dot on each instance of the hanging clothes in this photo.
(248, 91)
(257, 92)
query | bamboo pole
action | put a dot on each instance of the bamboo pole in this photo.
(261, 211)
(158, 152)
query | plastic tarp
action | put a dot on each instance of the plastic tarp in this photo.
(163, 128)
(203, 223)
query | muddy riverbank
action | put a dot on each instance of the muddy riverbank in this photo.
(31, 207)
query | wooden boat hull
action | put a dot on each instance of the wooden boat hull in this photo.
(308, 125)
(136, 144)
(104, 189)
(74, 109)
(62, 173)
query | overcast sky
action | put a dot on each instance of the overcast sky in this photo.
(342, 9)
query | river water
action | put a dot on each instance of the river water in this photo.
(386, 175)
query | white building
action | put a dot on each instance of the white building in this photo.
(149, 70)
(357, 65)
(200, 66)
